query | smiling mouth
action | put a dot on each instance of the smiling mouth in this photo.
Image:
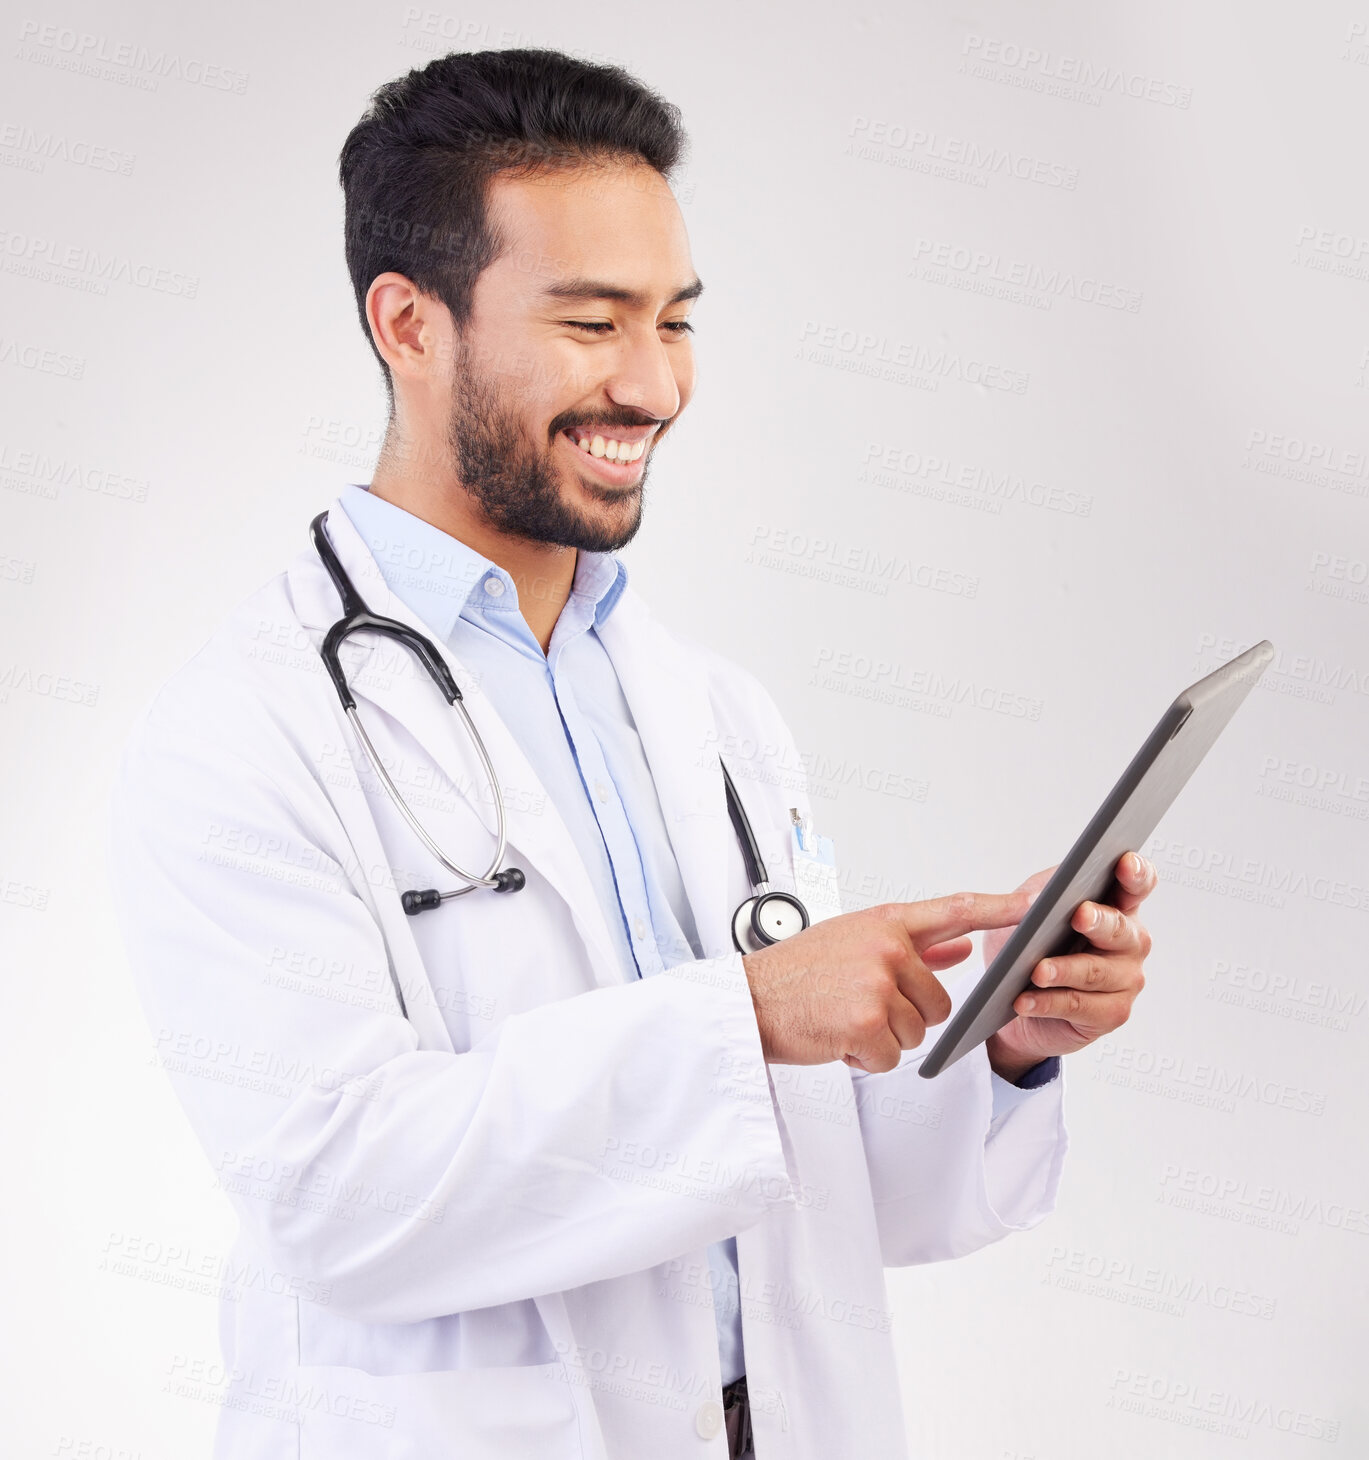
(629, 447)
(611, 458)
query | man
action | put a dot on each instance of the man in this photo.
(554, 1171)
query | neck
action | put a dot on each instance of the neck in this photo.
(541, 572)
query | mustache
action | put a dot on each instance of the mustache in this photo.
(567, 423)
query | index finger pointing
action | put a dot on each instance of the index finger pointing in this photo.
(943, 918)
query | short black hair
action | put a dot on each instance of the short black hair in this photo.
(415, 170)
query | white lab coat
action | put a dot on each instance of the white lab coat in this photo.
(480, 1230)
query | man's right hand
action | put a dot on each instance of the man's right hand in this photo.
(861, 987)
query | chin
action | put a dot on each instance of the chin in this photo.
(616, 528)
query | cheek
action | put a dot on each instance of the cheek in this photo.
(562, 376)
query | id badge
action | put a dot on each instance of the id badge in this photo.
(815, 870)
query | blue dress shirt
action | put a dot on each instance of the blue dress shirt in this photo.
(574, 725)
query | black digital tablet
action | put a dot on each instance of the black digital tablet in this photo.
(1131, 812)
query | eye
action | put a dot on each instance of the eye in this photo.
(598, 327)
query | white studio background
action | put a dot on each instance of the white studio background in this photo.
(1034, 366)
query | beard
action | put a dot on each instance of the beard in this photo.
(517, 484)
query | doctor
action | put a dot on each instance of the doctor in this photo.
(553, 1171)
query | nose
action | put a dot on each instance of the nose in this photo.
(651, 375)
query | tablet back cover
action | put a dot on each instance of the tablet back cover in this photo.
(1127, 817)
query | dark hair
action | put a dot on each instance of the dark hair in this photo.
(415, 170)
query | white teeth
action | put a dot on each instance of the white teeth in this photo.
(610, 449)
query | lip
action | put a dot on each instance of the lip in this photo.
(624, 474)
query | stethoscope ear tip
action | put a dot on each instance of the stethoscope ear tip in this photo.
(511, 879)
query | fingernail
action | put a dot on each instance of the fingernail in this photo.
(1046, 973)
(1028, 1004)
(1090, 918)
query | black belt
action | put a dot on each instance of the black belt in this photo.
(737, 1417)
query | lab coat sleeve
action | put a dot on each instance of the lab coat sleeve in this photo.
(589, 1137)
(958, 1161)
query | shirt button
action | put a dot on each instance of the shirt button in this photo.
(601, 790)
(708, 1419)
(493, 587)
(639, 929)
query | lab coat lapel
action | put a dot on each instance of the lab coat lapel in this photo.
(385, 677)
(666, 688)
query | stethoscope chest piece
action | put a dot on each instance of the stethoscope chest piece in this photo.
(767, 919)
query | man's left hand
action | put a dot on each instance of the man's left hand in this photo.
(1082, 996)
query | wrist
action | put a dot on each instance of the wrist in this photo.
(1008, 1064)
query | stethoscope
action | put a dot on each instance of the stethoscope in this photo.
(764, 918)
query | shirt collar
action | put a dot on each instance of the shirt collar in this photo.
(443, 579)
(600, 578)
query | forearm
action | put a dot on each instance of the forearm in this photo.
(582, 1138)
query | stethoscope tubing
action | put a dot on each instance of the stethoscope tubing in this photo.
(485, 879)
(357, 617)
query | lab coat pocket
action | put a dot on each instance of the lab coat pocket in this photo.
(478, 1414)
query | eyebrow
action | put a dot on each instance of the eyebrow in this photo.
(599, 289)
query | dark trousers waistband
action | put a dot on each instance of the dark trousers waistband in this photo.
(737, 1418)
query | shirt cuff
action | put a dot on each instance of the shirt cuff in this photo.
(1041, 1074)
